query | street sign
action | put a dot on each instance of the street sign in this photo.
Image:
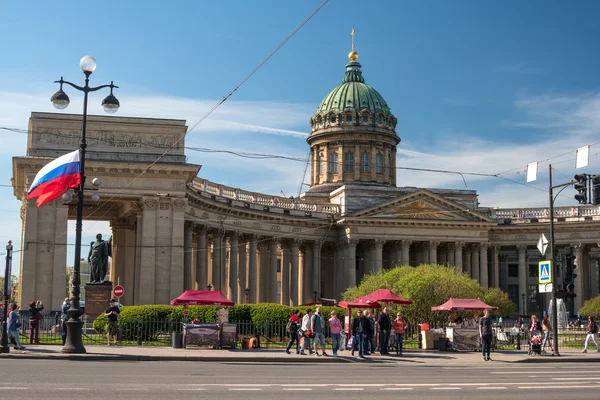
(119, 291)
(542, 244)
(545, 288)
(545, 272)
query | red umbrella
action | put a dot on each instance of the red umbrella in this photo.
(356, 304)
(463, 304)
(382, 296)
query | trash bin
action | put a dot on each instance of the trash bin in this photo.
(177, 340)
(443, 344)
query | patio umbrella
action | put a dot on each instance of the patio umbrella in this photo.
(382, 296)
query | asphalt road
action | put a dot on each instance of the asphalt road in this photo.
(57, 379)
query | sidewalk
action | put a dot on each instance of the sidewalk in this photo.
(149, 353)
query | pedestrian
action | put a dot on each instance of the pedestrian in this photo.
(591, 334)
(369, 342)
(535, 325)
(385, 325)
(400, 326)
(112, 313)
(306, 332)
(485, 333)
(317, 326)
(64, 317)
(13, 325)
(292, 328)
(547, 328)
(35, 316)
(335, 328)
(358, 330)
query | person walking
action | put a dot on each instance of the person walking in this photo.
(591, 334)
(306, 332)
(385, 325)
(546, 328)
(369, 338)
(292, 328)
(112, 313)
(64, 317)
(317, 326)
(13, 325)
(358, 329)
(35, 316)
(485, 333)
(335, 328)
(400, 326)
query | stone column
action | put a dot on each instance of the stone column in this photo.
(483, 265)
(580, 271)
(315, 166)
(307, 274)
(450, 254)
(522, 250)
(148, 244)
(262, 288)
(316, 268)
(202, 258)
(139, 228)
(285, 272)
(373, 162)
(503, 260)
(496, 265)
(123, 256)
(475, 262)
(294, 273)
(217, 266)
(273, 283)
(377, 253)
(187, 255)
(242, 283)
(232, 290)
(458, 259)
(357, 162)
(467, 260)
(405, 253)
(350, 263)
(253, 270)
(433, 246)
(175, 260)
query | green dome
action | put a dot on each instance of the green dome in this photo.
(353, 94)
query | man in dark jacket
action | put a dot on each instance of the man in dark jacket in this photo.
(358, 331)
(385, 324)
(369, 332)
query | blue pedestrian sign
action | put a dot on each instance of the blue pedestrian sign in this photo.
(545, 272)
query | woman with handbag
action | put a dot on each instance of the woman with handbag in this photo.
(35, 316)
(14, 325)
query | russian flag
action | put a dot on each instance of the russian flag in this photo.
(56, 178)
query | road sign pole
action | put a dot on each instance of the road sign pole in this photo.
(553, 273)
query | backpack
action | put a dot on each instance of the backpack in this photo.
(291, 326)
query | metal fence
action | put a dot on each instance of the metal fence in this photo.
(271, 334)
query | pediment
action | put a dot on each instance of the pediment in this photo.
(421, 205)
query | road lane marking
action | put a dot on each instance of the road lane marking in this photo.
(491, 388)
(13, 388)
(352, 388)
(562, 387)
(297, 389)
(446, 388)
(397, 388)
(192, 389)
(250, 388)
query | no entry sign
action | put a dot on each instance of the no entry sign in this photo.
(118, 291)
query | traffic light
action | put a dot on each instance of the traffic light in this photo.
(595, 189)
(582, 187)
(570, 275)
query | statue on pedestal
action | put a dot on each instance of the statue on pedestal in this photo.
(98, 259)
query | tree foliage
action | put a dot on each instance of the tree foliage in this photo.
(591, 307)
(428, 286)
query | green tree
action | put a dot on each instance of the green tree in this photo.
(428, 286)
(591, 307)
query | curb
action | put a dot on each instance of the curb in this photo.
(131, 357)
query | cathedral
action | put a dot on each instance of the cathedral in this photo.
(173, 230)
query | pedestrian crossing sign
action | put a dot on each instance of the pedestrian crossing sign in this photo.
(545, 272)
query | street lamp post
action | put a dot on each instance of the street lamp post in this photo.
(60, 100)
(247, 291)
(524, 296)
(4, 348)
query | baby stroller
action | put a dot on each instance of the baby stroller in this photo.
(535, 343)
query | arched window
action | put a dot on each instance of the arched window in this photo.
(333, 163)
(322, 165)
(348, 117)
(379, 163)
(349, 162)
(364, 162)
(365, 117)
(332, 118)
(380, 119)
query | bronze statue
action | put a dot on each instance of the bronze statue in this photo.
(98, 258)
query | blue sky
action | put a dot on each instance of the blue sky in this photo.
(479, 86)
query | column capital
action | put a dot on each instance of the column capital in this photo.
(468, 248)
(188, 225)
(522, 248)
(149, 203)
(200, 229)
(433, 244)
(459, 245)
(406, 242)
(484, 246)
(122, 223)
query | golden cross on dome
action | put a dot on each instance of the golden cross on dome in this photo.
(352, 39)
(353, 55)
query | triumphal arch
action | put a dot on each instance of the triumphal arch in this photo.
(173, 230)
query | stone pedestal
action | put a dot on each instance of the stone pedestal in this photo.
(97, 297)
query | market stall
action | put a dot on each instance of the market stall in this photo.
(221, 334)
(464, 336)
